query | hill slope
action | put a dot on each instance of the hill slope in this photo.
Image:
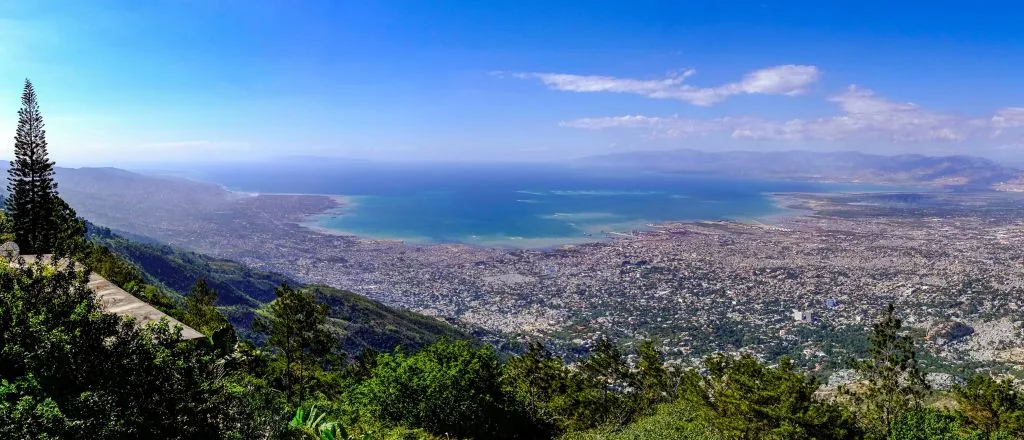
(242, 291)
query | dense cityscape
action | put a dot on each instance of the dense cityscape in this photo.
(803, 285)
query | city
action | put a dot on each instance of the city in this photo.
(803, 285)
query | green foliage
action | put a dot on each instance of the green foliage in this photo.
(70, 371)
(651, 379)
(606, 367)
(446, 388)
(893, 383)
(992, 406)
(538, 382)
(296, 331)
(178, 270)
(364, 323)
(201, 314)
(360, 322)
(101, 260)
(676, 420)
(314, 425)
(69, 229)
(602, 391)
(931, 424)
(603, 372)
(558, 398)
(741, 398)
(250, 407)
(6, 227)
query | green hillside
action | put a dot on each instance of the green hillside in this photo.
(367, 323)
(242, 291)
(178, 270)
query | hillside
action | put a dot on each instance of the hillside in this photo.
(242, 291)
(951, 171)
(367, 323)
(178, 270)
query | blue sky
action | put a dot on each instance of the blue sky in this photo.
(182, 80)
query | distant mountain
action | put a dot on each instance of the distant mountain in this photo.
(113, 197)
(951, 171)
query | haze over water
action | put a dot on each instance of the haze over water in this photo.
(517, 206)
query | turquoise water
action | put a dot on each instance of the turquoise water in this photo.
(520, 206)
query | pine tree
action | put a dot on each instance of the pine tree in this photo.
(651, 379)
(41, 221)
(295, 325)
(200, 311)
(201, 314)
(893, 383)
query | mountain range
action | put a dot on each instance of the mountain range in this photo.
(906, 169)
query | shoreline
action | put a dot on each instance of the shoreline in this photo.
(780, 202)
(340, 199)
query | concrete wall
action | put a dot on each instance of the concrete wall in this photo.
(115, 300)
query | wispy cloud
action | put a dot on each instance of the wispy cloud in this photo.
(787, 80)
(194, 144)
(672, 126)
(1008, 118)
(864, 116)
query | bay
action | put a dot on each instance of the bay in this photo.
(510, 205)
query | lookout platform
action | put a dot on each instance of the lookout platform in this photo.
(115, 300)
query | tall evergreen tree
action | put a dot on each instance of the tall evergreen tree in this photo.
(651, 379)
(200, 311)
(201, 314)
(41, 221)
(295, 325)
(893, 383)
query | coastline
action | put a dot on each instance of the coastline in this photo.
(597, 234)
(783, 206)
(340, 199)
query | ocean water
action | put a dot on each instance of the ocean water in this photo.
(515, 206)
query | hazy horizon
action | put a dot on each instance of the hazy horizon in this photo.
(175, 165)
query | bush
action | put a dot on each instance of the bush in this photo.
(67, 370)
(446, 388)
(931, 424)
(670, 421)
(742, 398)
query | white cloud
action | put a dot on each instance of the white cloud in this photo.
(1009, 117)
(864, 116)
(194, 144)
(788, 80)
(594, 83)
(628, 121)
(673, 126)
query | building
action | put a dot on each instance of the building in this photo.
(801, 316)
